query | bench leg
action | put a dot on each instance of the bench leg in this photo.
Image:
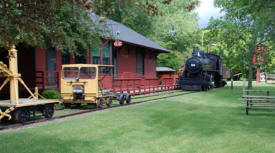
(247, 109)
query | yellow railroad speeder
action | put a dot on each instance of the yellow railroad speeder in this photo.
(80, 83)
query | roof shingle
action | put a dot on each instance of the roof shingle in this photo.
(125, 34)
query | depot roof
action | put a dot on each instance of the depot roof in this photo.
(164, 69)
(125, 34)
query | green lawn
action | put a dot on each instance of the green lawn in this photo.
(206, 122)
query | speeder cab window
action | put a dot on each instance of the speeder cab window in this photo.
(87, 73)
(70, 72)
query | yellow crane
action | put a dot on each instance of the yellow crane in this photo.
(20, 109)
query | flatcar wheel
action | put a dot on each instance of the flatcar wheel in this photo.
(67, 105)
(109, 102)
(100, 103)
(48, 111)
(121, 99)
(78, 105)
(22, 116)
(128, 98)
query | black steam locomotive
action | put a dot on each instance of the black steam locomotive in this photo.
(203, 71)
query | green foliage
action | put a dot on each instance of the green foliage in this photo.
(230, 44)
(169, 60)
(177, 30)
(251, 21)
(56, 23)
(51, 94)
(245, 25)
(178, 19)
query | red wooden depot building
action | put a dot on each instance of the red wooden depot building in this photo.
(134, 62)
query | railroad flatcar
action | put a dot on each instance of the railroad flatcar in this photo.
(203, 71)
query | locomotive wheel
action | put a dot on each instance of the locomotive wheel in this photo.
(109, 102)
(48, 111)
(128, 98)
(100, 103)
(22, 116)
(121, 99)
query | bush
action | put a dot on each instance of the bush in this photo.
(51, 94)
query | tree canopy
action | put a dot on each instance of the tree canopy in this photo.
(66, 25)
(56, 23)
(245, 25)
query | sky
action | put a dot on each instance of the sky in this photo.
(206, 10)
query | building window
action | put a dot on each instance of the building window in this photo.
(140, 62)
(106, 54)
(96, 57)
(115, 62)
(103, 53)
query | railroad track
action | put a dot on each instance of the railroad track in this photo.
(32, 122)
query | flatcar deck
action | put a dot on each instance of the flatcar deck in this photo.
(24, 102)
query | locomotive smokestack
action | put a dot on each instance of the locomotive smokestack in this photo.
(195, 51)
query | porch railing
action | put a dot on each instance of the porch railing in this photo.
(138, 86)
(132, 84)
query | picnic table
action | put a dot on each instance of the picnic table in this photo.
(258, 99)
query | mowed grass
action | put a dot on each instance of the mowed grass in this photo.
(205, 122)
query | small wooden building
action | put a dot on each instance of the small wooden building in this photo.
(135, 59)
(166, 73)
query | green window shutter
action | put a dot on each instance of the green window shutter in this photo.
(96, 52)
(105, 50)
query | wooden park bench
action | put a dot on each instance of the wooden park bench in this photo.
(258, 99)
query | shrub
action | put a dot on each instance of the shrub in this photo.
(51, 94)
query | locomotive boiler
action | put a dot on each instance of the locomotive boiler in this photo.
(203, 71)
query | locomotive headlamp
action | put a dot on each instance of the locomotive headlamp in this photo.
(78, 89)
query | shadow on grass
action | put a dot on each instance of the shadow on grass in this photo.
(261, 112)
(43, 142)
(205, 121)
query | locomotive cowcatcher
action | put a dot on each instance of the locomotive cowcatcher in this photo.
(82, 84)
(203, 71)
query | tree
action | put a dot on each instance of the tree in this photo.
(65, 24)
(253, 17)
(56, 23)
(177, 30)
